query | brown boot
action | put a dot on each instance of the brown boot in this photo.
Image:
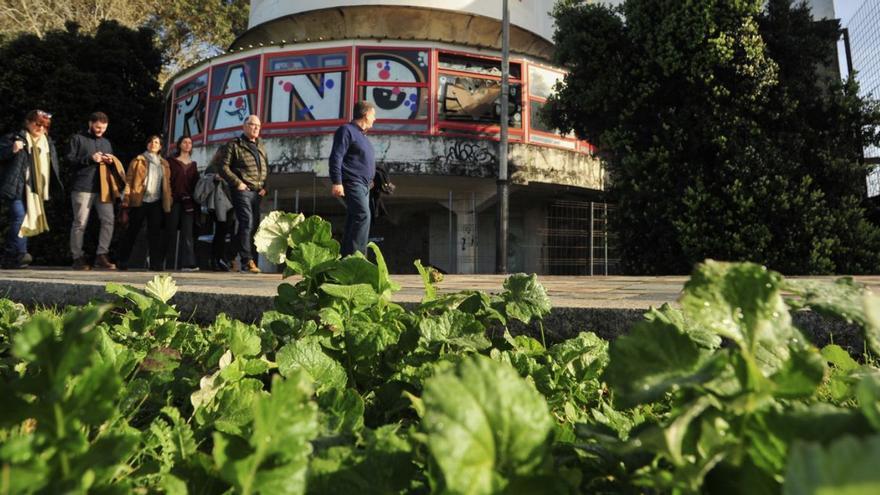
(250, 267)
(102, 262)
(80, 264)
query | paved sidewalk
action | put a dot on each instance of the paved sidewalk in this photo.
(606, 305)
(565, 292)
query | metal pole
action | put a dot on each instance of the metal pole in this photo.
(474, 239)
(503, 187)
(605, 233)
(296, 202)
(848, 52)
(275, 200)
(592, 236)
(451, 237)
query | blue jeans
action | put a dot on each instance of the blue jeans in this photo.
(247, 212)
(357, 218)
(15, 245)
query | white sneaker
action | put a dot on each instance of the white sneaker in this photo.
(190, 269)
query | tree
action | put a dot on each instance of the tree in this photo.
(72, 74)
(187, 30)
(721, 139)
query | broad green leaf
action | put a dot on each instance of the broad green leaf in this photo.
(868, 395)
(801, 374)
(427, 281)
(274, 233)
(697, 333)
(846, 467)
(525, 298)
(838, 357)
(307, 355)
(844, 299)
(454, 328)
(584, 356)
(385, 286)
(242, 339)
(342, 410)
(485, 425)
(234, 404)
(739, 301)
(275, 457)
(92, 396)
(359, 295)
(654, 358)
(356, 269)
(162, 287)
(314, 230)
(309, 259)
(331, 317)
(383, 466)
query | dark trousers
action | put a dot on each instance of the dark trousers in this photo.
(153, 214)
(15, 246)
(180, 219)
(218, 244)
(357, 219)
(247, 212)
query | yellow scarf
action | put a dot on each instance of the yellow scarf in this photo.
(35, 217)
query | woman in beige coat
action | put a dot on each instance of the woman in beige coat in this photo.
(147, 197)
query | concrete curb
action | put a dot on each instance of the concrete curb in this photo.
(561, 323)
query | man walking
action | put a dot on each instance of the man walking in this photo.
(352, 167)
(243, 163)
(97, 180)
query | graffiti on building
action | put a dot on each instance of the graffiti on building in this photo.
(307, 97)
(232, 89)
(189, 115)
(297, 94)
(189, 106)
(398, 83)
(461, 152)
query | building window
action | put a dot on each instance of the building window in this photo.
(189, 103)
(234, 88)
(306, 89)
(395, 81)
(541, 85)
(469, 94)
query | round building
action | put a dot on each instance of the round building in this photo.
(433, 71)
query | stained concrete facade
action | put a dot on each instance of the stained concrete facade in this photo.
(433, 71)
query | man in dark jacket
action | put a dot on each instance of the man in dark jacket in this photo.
(28, 162)
(89, 152)
(244, 165)
(352, 167)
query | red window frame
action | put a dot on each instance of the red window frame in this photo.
(479, 130)
(176, 98)
(268, 74)
(256, 91)
(427, 86)
(572, 141)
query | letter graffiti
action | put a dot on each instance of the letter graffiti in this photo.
(188, 115)
(401, 100)
(233, 110)
(307, 97)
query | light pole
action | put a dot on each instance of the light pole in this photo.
(503, 191)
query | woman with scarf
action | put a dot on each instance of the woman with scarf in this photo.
(147, 197)
(28, 162)
(184, 176)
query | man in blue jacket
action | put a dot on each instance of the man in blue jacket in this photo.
(352, 167)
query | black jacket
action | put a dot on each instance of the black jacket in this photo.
(381, 185)
(79, 156)
(13, 166)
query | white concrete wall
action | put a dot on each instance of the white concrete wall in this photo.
(532, 15)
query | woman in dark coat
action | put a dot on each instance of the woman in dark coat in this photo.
(184, 176)
(28, 163)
